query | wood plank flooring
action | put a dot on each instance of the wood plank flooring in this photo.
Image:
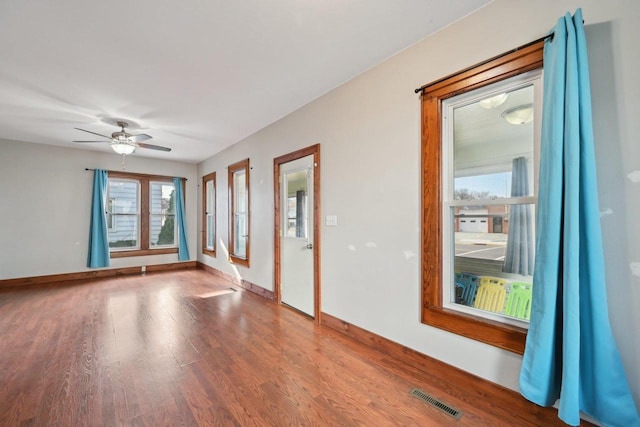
(182, 349)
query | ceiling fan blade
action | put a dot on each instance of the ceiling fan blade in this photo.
(153, 147)
(141, 137)
(99, 134)
(93, 141)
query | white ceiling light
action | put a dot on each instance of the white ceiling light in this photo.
(519, 115)
(494, 101)
(123, 147)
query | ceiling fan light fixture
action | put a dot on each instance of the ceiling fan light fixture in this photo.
(125, 143)
(123, 147)
(519, 115)
(493, 101)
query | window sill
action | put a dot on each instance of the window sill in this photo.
(239, 261)
(142, 252)
(505, 336)
(209, 252)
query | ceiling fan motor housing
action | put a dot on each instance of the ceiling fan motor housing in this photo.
(121, 136)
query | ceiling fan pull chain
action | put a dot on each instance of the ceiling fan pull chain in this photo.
(123, 162)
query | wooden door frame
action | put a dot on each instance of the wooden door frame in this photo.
(277, 274)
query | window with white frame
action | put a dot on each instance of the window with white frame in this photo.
(490, 142)
(124, 214)
(162, 213)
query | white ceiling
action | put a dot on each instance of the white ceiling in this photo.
(197, 75)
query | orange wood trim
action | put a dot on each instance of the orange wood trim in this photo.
(495, 333)
(443, 373)
(140, 176)
(243, 164)
(145, 211)
(405, 354)
(240, 261)
(183, 265)
(500, 68)
(277, 229)
(277, 162)
(209, 252)
(317, 227)
(93, 274)
(245, 284)
(205, 179)
(142, 252)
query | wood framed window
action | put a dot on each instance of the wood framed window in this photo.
(450, 211)
(239, 213)
(142, 214)
(209, 214)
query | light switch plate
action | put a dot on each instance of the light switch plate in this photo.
(331, 220)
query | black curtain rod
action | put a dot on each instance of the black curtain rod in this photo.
(133, 173)
(550, 35)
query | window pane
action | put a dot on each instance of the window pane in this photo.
(162, 198)
(124, 195)
(162, 229)
(494, 255)
(210, 232)
(240, 235)
(493, 146)
(210, 206)
(297, 200)
(211, 197)
(239, 191)
(163, 232)
(123, 213)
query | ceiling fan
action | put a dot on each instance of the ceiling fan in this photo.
(123, 142)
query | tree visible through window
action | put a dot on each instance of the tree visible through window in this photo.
(165, 214)
(140, 214)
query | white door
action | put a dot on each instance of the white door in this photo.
(296, 237)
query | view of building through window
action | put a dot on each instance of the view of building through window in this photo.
(489, 200)
(480, 231)
(126, 207)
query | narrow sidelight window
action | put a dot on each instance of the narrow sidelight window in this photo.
(209, 214)
(239, 221)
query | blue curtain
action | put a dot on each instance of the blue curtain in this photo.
(519, 254)
(570, 352)
(183, 248)
(98, 243)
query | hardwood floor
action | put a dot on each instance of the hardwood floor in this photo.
(181, 348)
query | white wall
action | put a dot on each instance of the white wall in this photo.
(45, 203)
(369, 131)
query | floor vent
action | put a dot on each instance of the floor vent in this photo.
(438, 404)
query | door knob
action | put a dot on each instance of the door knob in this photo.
(309, 246)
